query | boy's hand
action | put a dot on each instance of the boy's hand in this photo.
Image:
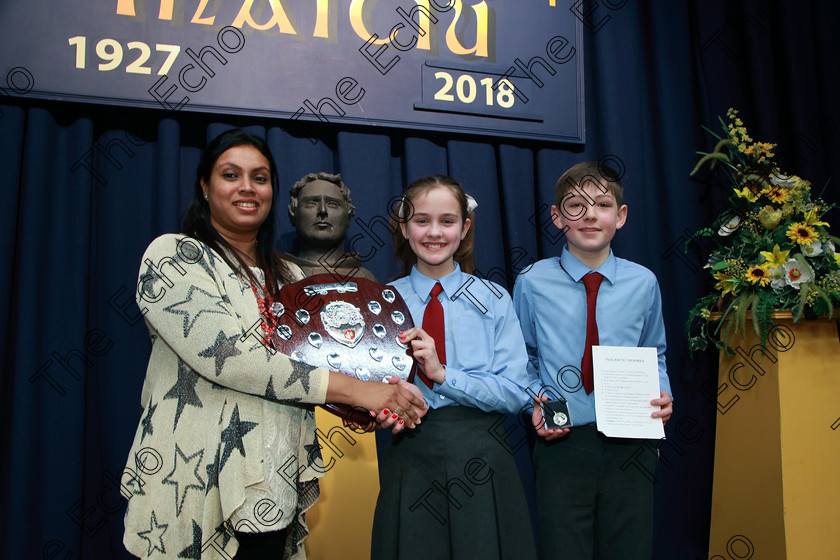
(424, 353)
(539, 422)
(666, 407)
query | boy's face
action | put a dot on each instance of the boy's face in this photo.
(590, 216)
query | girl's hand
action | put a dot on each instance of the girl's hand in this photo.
(424, 353)
(400, 399)
(403, 398)
(396, 419)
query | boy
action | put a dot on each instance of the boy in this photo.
(594, 499)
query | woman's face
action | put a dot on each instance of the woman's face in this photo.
(239, 192)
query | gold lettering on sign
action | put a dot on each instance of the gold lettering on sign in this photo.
(126, 8)
(480, 47)
(322, 19)
(166, 7)
(208, 20)
(423, 22)
(280, 19)
(357, 8)
(409, 28)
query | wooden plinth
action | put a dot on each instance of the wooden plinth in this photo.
(776, 488)
(340, 522)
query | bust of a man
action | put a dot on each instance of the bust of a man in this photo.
(320, 209)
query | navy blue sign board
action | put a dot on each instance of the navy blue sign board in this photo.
(491, 67)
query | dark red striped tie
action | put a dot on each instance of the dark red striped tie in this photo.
(591, 282)
(433, 325)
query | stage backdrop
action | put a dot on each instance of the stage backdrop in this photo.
(86, 187)
(431, 64)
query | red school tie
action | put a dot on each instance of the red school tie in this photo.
(433, 325)
(591, 282)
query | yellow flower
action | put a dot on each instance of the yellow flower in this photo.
(769, 217)
(801, 233)
(757, 275)
(705, 313)
(775, 258)
(727, 284)
(811, 218)
(837, 258)
(765, 148)
(747, 193)
(775, 194)
(787, 211)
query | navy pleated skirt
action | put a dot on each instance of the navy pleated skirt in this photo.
(450, 489)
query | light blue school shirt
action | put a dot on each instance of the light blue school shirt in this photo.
(551, 304)
(485, 353)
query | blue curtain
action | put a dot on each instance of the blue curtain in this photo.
(86, 188)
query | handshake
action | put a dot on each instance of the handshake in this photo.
(400, 405)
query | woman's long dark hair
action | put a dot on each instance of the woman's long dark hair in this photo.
(197, 219)
(402, 213)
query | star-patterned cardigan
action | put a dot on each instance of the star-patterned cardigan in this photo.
(211, 386)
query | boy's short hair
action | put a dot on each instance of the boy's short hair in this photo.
(588, 172)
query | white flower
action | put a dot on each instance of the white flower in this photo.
(777, 277)
(783, 180)
(796, 273)
(828, 247)
(730, 227)
(812, 250)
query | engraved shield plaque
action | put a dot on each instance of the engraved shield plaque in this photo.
(350, 327)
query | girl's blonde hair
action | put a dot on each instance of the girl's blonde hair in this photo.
(403, 212)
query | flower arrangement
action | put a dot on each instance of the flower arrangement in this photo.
(770, 249)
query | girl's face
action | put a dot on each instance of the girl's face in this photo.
(435, 230)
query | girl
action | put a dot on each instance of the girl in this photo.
(449, 488)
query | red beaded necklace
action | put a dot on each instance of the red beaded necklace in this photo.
(265, 302)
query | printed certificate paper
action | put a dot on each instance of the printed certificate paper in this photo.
(626, 379)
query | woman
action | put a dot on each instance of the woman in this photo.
(225, 460)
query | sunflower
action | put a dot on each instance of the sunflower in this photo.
(757, 275)
(776, 194)
(801, 233)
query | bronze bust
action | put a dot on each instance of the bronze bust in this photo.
(320, 209)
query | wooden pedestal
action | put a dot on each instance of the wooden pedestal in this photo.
(777, 450)
(340, 522)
